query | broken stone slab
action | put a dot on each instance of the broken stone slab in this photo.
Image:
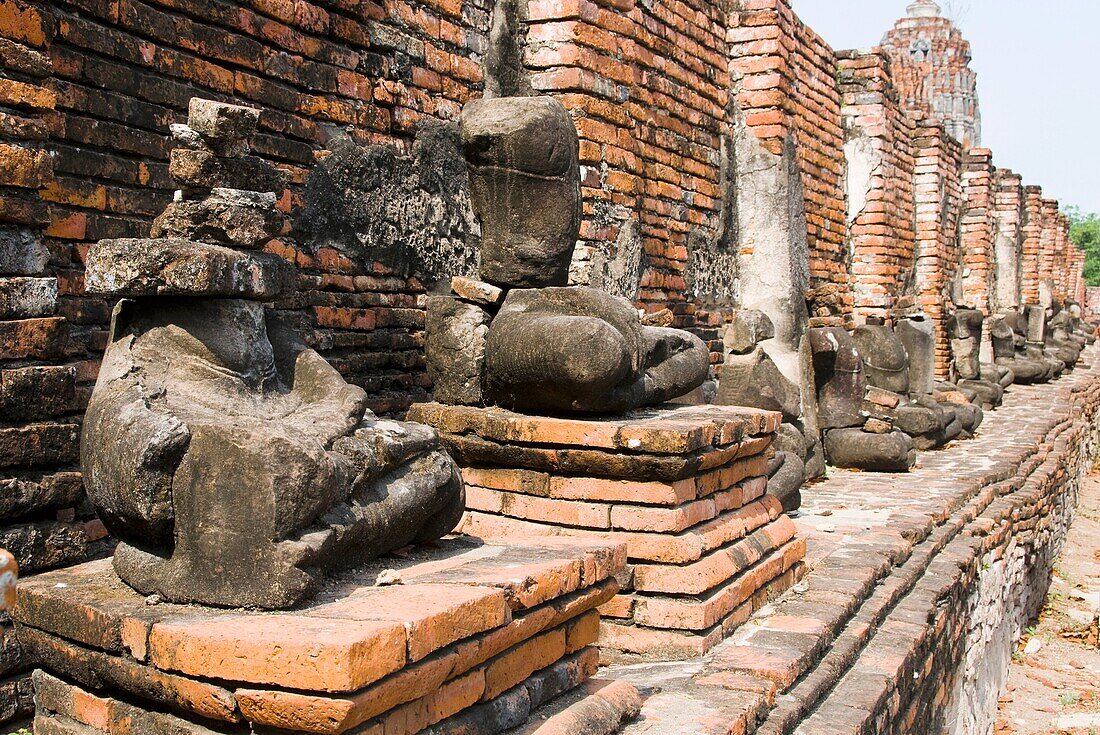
(755, 381)
(200, 169)
(24, 298)
(476, 291)
(857, 449)
(883, 398)
(916, 333)
(184, 136)
(455, 350)
(877, 426)
(173, 267)
(221, 122)
(232, 217)
(839, 378)
(748, 328)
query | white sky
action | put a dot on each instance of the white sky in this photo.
(1038, 65)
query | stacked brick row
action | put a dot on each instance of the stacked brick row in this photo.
(1008, 222)
(125, 70)
(473, 639)
(645, 83)
(1062, 258)
(931, 68)
(786, 94)
(685, 491)
(976, 230)
(879, 162)
(937, 194)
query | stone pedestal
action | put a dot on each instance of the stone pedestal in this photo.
(463, 638)
(684, 488)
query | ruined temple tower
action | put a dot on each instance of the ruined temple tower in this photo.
(930, 61)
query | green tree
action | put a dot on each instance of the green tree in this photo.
(1084, 230)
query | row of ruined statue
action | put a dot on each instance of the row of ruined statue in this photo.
(872, 397)
(236, 467)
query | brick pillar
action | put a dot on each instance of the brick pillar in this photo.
(937, 193)
(1008, 239)
(879, 159)
(1033, 228)
(976, 230)
(1048, 249)
(1063, 259)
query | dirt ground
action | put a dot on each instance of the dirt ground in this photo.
(1054, 684)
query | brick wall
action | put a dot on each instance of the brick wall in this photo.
(976, 230)
(938, 196)
(1008, 238)
(647, 84)
(1033, 228)
(42, 392)
(879, 163)
(787, 102)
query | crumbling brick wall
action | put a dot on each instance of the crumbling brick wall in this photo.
(938, 195)
(879, 181)
(786, 95)
(976, 230)
(124, 70)
(1048, 249)
(43, 375)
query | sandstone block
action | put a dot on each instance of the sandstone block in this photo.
(171, 267)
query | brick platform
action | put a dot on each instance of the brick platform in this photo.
(919, 587)
(472, 633)
(683, 488)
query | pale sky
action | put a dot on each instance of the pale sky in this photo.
(1038, 77)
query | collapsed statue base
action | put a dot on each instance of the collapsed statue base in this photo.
(683, 487)
(461, 635)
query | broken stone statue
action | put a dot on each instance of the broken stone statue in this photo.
(852, 439)
(522, 339)
(749, 377)
(234, 465)
(964, 328)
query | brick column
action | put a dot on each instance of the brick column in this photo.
(1008, 239)
(938, 195)
(976, 230)
(1048, 249)
(879, 159)
(1033, 228)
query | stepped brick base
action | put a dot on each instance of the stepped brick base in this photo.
(682, 487)
(471, 633)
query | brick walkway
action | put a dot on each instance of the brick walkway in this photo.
(878, 629)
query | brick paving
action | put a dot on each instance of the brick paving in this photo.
(874, 634)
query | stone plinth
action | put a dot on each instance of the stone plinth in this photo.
(466, 632)
(684, 488)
